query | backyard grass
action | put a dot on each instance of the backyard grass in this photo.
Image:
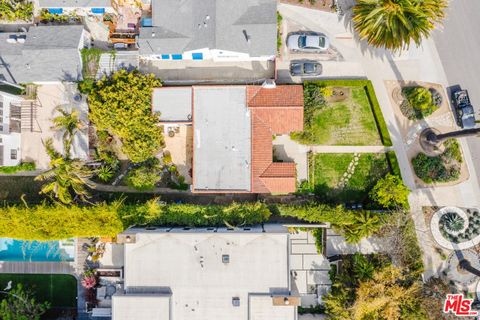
(327, 170)
(58, 289)
(354, 120)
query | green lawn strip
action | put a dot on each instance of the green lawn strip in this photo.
(328, 169)
(25, 166)
(58, 289)
(381, 126)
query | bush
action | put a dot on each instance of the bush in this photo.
(51, 222)
(318, 236)
(121, 106)
(146, 176)
(420, 99)
(393, 163)
(86, 86)
(390, 192)
(443, 168)
(16, 10)
(191, 215)
(24, 166)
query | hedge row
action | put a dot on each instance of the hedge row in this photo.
(376, 110)
(25, 166)
(393, 163)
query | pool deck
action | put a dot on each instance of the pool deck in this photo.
(37, 267)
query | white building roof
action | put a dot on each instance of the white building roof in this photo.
(140, 306)
(190, 266)
(222, 139)
(173, 103)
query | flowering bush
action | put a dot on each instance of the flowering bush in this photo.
(89, 280)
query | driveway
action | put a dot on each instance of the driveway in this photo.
(335, 61)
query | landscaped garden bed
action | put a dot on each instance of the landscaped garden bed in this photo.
(342, 112)
(419, 102)
(346, 177)
(445, 167)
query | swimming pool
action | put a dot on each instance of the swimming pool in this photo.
(18, 250)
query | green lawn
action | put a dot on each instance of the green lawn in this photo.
(327, 170)
(353, 118)
(58, 289)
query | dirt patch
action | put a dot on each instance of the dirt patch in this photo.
(339, 94)
(323, 5)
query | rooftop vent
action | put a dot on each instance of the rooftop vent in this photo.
(236, 301)
(225, 258)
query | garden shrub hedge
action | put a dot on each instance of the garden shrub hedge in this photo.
(24, 166)
(393, 163)
(377, 112)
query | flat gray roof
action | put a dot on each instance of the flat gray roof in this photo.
(222, 139)
(75, 3)
(173, 103)
(187, 25)
(49, 53)
(190, 265)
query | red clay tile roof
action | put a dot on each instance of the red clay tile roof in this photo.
(281, 108)
(280, 96)
(273, 111)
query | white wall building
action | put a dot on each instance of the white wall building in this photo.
(210, 273)
(10, 136)
(80, 7)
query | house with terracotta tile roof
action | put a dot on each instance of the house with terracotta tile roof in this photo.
(233, 129)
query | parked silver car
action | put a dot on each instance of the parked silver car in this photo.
(307, 42)
(305, 68)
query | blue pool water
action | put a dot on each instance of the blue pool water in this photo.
(17, 250)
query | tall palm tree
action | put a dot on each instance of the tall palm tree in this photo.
(64, 176)
(364, 225)
(70, 123)
(393, 24)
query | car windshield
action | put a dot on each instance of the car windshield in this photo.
(302, 41)
(321, 42)
(309, 67)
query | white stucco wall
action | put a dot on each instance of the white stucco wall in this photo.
(9, 140)
(215, 55)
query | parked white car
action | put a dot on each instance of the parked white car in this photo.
(307, 42)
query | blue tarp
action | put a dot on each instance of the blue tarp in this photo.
(197, 56)
(165, 56)
(98, 10)
(55, 10)
(177, 57)
(147, 22)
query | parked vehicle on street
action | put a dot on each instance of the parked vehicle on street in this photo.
(465, 113)
(307, 42)
(305, 68)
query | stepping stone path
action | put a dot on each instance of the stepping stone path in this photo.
(350, 171)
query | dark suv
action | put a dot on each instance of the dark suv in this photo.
(464, 110)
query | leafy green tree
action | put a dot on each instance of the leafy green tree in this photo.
(390, 192)
(121, 106)
(20, 304)
(70, 123)
(393, 24)
(353, 225)
(12, 10)
(64, 176)
(388, 296)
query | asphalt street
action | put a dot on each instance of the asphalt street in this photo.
(458, 45)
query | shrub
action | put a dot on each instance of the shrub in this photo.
(146, 176)
(86, 86)
(50, 222)
(16, 10)
(24, 166)
(442, 168)
(420, 99)
(191, 215)
(121, 106)
(105, 173)
(390, 192)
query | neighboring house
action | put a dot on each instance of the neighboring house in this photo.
(80, 7)
(219, 30)
(10, 129)
(233, 128)
(44, 54)
(209, 273)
